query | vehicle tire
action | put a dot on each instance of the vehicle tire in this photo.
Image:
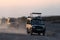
(38, 33)
(43, 33)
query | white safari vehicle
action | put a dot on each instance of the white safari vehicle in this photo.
(35, 24)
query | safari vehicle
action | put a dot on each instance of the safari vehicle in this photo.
(12, 22)
(35, 25)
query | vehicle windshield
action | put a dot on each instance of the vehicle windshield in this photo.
(37, 22)
(12, 20)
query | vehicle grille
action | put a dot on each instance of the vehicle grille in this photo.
(38, 27)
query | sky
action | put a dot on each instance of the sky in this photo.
(18, 8)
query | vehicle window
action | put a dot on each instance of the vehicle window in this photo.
(12, 20)
(37, 22)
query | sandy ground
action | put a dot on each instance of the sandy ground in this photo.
(13, 33)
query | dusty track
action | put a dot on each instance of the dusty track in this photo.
(12, 33)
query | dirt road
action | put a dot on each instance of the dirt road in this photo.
(11, 33)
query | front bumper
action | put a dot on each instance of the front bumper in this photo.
(37, 30)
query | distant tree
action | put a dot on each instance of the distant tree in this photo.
(23, 19)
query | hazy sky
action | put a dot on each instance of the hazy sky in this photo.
(17, 8)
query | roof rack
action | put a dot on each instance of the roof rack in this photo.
(36, 13)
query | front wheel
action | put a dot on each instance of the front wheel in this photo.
(43, 33)
(38, 33)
